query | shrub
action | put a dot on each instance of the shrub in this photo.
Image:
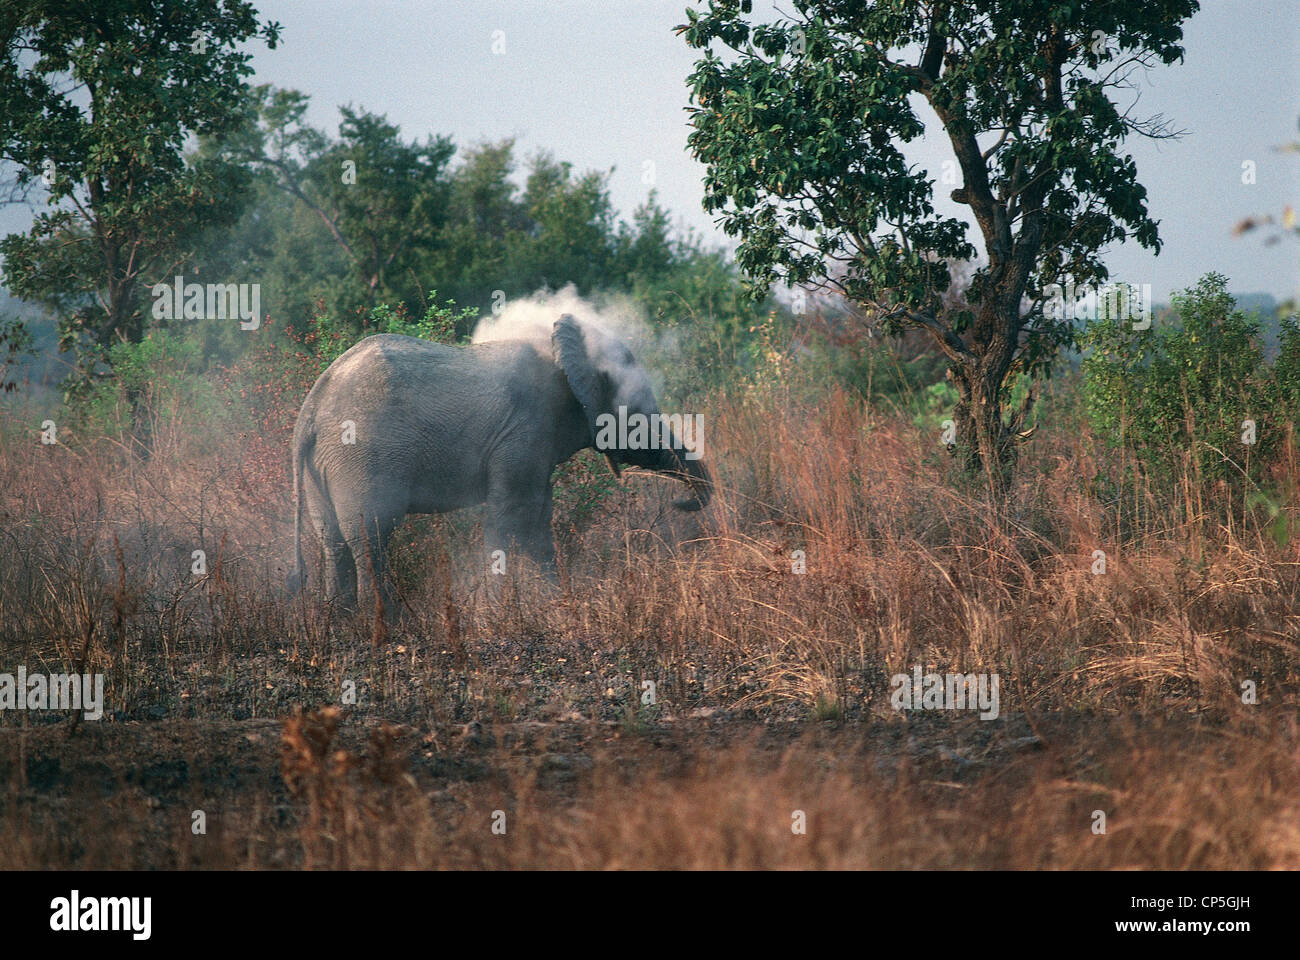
(1180, 394)
(439, 323)
(156, 384)
(1286, 369)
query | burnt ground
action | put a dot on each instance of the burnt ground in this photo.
(351, 789)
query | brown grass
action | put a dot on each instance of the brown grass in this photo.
(1121, 692)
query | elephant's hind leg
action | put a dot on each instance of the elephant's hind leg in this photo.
(338, 569)
(368, 542)
(340, 574)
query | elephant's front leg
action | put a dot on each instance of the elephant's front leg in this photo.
(518, 523)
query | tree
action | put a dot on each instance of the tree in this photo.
(571, 233)
(99, 101)
(414, 222)
(469, 262)
(646, 250)
(800, 131)
(381, 200)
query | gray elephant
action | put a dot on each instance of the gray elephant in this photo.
(399, 425)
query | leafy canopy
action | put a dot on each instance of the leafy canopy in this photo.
(99, 101)
(801, 126)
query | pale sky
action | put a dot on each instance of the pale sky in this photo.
(602, 85)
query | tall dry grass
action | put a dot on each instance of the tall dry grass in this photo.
(904, 567)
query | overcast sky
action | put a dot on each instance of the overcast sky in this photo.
(601, 84)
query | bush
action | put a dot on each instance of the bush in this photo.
(157, 384)
(1286, 369)
(1182, 395)
(885, 372)
(441, 324)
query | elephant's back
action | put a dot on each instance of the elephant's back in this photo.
(397, 356)
(387, 364)
(403, 378)
(388, 350)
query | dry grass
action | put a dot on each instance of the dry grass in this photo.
(1121, 692)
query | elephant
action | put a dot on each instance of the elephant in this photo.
(400, 425)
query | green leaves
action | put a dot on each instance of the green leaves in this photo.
(103, 112)
(1185, 387)
(794, 142)
(441, 323)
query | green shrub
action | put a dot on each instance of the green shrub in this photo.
(159, 380)
(440, 323)
(1286, 369)
(1180, 394)
(878, 370)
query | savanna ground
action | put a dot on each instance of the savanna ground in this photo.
(1120, 692)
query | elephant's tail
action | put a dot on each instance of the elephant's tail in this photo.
(295, 580)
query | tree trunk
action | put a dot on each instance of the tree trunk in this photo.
(985, 443)
(125, 322)
(982, 440)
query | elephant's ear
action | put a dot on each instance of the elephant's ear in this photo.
(570, 349)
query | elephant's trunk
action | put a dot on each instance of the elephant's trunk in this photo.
(696, 477)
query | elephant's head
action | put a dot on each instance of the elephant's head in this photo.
(622, 414)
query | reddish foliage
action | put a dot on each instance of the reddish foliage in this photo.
(265, 389)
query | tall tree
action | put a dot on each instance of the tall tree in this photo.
(368, 217)
(800, 128)
(99, 102)
(469, 261)
(381, 199)
(572, 227)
